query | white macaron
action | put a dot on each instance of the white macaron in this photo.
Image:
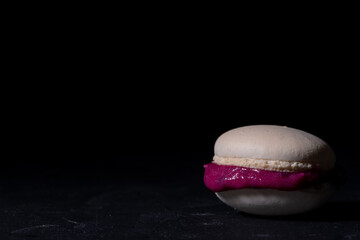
(275, 149)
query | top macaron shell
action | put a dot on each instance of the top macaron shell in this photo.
(273, 142)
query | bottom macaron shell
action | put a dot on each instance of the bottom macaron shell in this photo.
(275, 202)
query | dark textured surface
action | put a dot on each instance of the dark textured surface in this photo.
(157, 204)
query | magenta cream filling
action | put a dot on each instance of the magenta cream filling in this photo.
(223, 177)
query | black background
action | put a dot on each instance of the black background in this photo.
(106, 127)
(89, 125)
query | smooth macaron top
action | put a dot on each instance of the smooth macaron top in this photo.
(277, 144)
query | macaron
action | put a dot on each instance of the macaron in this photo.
(272, 170)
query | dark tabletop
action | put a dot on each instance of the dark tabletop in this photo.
(167, 202)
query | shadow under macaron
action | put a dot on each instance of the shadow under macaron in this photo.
(339, 211)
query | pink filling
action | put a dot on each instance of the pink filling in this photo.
(221, 178)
